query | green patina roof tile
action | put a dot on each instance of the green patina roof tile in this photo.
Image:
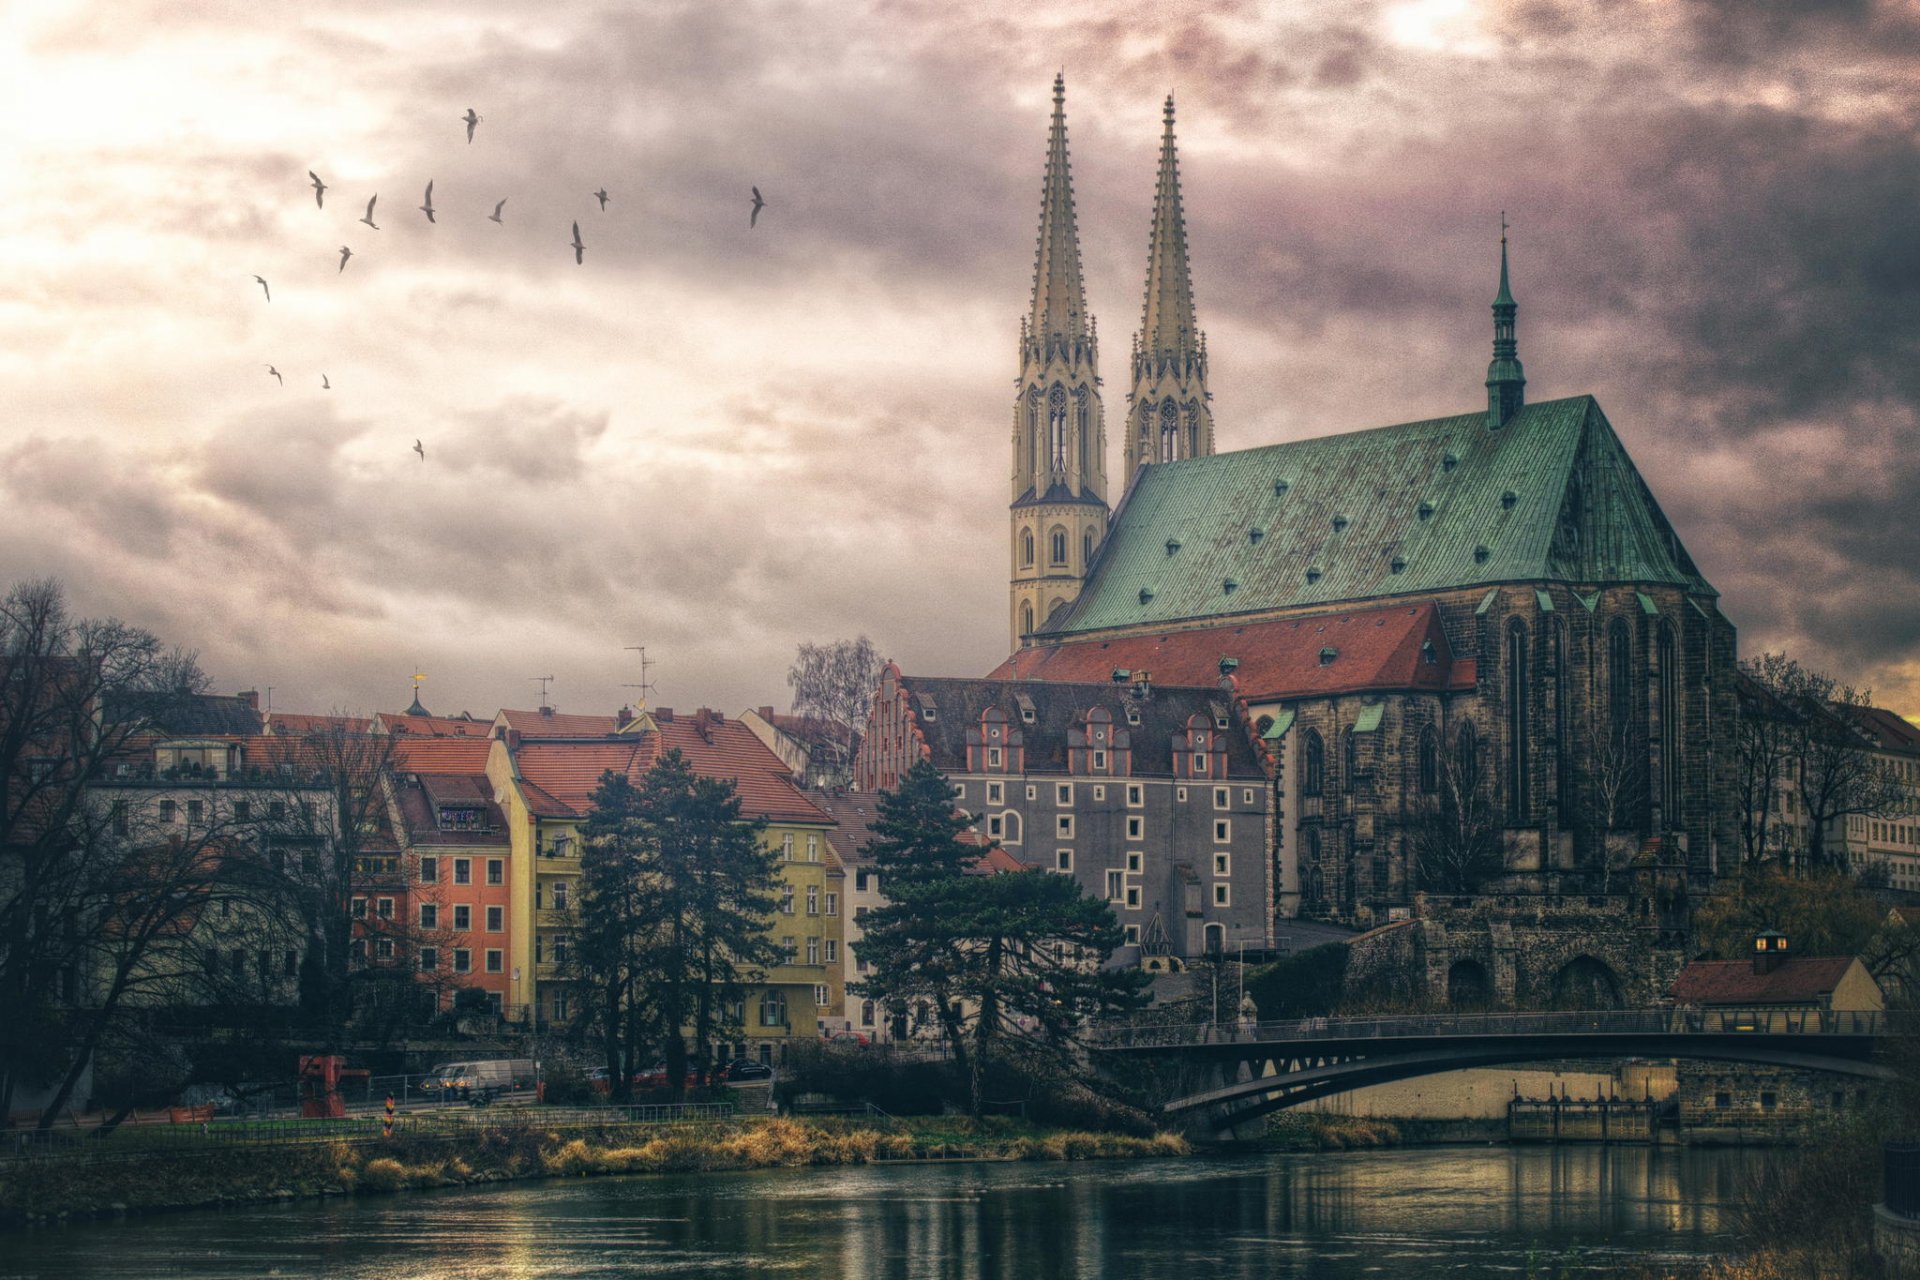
(1278, 729)
(1370, 717)
(1544, 600)
(1647, 606)
(1486, 601)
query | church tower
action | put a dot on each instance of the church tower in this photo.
(1168, 415)
(1059, 511)
(1506, 380)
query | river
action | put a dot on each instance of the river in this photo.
(1450, 1211)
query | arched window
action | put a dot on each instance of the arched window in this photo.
(1193, 430)
(1026, 618)
(1215, 939)
(1059, 546)
(1313, 777)
(1083, 428)
(1669, 693)
(1519, 775)
(1349, 758)
(1619, 679)
(1026, 547)
(1057, 425)
(1557, 647)
(1468, 753)
(1429, 761)
(1169, 431)
(1086, 548)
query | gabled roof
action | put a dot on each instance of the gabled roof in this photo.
(419, 810)
(1797, 980)
(1888, 731)
(398, 722)
(555, 724)
(855, 812)
(1374, 649)
(296, 723)
(201, 713)
(1410, 509)
(1058, 709)
(565, 771)
(441, 755)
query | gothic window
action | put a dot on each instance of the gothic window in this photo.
(1026, 547)
(1429, 761)
(1314, 779)
(1086, 548)
(1057, 425)
(1193, 430)
(1468, 750)
(1557, 640)
(1083, 428)
(1518, 774)
(1619, 679)
(1669, 691)
(1026, 619)
(1031, 446)
(1169, 431)
(1146, 432)
(1059, 548)
(1349, 758)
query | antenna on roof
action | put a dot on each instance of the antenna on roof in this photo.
(645, 686)
(544, 682)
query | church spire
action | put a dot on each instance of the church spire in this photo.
(1168, 413)
(1059, 316)
(1506, 380)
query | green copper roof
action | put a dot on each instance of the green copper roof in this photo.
(1278, 729)
(1370, 717)
(1406, 510)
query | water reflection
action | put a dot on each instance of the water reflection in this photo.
(1460, 1211)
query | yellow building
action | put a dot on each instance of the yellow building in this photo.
(545, 766)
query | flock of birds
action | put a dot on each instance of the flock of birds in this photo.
(472, 120)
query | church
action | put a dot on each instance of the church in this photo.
(1470, 649)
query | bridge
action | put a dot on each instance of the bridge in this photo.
(1249, 1069)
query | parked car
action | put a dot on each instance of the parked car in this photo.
(848, 1037)
(481, 1081)
(741, 1069)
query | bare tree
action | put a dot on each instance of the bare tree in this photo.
(1456, 841)
(832, 691)
(1618, 785)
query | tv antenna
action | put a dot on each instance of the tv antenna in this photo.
(544, 681)
(646, 664)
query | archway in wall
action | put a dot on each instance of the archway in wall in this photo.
(1469, 986)
(1586, 983)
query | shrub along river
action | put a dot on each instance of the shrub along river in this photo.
(1465, 1211)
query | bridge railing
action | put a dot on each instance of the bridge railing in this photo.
(1624, 1022)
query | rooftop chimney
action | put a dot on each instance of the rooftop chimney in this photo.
(663, 715)
(1769, 951)
(251, 697)
(766, 713)
(546, 711)
(623, 717)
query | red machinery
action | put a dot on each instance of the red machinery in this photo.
(321, 1076)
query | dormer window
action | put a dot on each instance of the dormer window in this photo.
(1173, 545)
(1425, 512)
(1280, 488)
(1313, 575)
(1507, 500)
(1255, 534)
(1339, 524)
(1428, 654)
(1327, 655)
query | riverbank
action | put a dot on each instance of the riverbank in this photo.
(60, 1190)
(1311, 1131)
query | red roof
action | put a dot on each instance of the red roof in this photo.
(568, 771)
(297, 723)
(1284, 658)
(1799, 980)
(398, 722)
(441, 755)
(855, 812)
(1889, 731)
(556, 724)
(996, 861)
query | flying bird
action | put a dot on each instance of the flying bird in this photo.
(369, 218)
(427, 208)
(495, 215)
(324, 384)
(420, 449)
(579, 250)
(276, 373)
(472, 119)
(601, 196)
(758, 204)
(264, 289)
(319, 190)
(345, 253)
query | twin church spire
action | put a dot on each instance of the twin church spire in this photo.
(1168, 413)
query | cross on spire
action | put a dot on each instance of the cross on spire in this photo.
(1506, 379)
(1059, 313)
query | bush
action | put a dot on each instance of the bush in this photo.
(1309, 985)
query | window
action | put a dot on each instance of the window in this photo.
(1026, 550)
(1059, 546)
(1620, 676)
(167, 810)
(1063, 859)
(559, 895)
(861, 880)
(821, 996)
(1065, 824)
(1313, 778)
(429, 916)
(1222, 830)
(866, 1013)
(833, 904)
(383, 907)
(276, 809)
(462, 960)
(813, 899)
(1222, 798)
(773, 1009)
(1223, 864)
(1135, 860)
(429, 870)
(789, 948)
(1223, 895)
(1133, 897)
(996, 793)
(813, 950)
(996, 826)
(1768, 1100)
(1722, 1100)
(494, 961)
(1116, 885)
(1180, 795)
(496, 919)
(813, 848)
(786, 899)
(462, 918)
(1033, 792)
(1063, 793)
(383, 948)
(1469, 756)
(196, 811)
(463, 870)
(496, 871)
(1131, 935)
(1519, 775)
(1136, 795)
(993, 757)
(1669, 694)
(358, 909)
(429, 959)
(786, 847)
(1349, 758)
(1100, 762)
(1429, 761)
(1136, 827)
(833, 950)
(562, 947)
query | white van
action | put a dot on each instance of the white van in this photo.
(480, 1080)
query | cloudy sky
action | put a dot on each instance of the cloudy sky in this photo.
(719, 442)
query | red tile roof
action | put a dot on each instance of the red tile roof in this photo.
(1888, 730)
(568, 771)
(1374, 649)
(441, 755)
(1798, 980)
(556, 724)
(398, 722)
(997, 861)
(856, 812)
(296, 723)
